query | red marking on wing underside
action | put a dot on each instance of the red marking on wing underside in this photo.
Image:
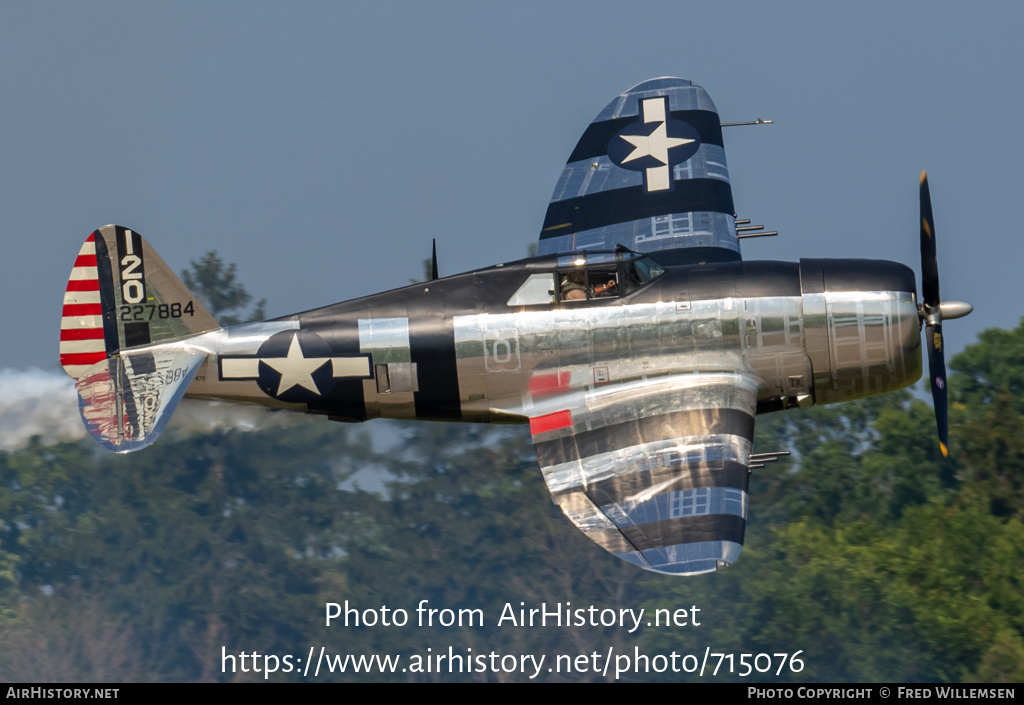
(550, 422)
(84, 285)
(542, 385)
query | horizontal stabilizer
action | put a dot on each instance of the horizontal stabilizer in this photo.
(127, 400)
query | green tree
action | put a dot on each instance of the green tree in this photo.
(928, 599)
(995, 362)
(993, 456)
(208, 541)
(216, 285)
(850, 461)
(987, 395)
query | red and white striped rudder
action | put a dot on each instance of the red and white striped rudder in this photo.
(82, 342)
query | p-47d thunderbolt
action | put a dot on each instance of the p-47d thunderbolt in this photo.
(638, 345)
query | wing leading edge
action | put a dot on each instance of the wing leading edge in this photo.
(655, 471)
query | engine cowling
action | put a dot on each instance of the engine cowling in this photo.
(861, 325)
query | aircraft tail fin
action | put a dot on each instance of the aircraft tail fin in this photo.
(128, 336)
(122, 295)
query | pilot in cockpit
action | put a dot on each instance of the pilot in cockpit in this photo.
(574, 286)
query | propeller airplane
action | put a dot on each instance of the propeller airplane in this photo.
(638, 345)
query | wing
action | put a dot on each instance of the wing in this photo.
(654, 471)
(649, 173)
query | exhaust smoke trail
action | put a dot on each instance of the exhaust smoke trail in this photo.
(40, 403)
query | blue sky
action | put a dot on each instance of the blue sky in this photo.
(321, 145)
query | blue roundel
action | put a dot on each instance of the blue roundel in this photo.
(295, 366)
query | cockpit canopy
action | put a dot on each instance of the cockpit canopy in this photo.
(586, 276)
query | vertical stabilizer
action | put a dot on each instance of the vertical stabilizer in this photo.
(122, 295)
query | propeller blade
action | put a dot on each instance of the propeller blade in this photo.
(932, 314)
(929, 265)
(937, 372)
(433, 260)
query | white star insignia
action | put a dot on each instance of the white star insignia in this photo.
(655, 145)
(296, 370)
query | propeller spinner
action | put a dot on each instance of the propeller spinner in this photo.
(933, 310)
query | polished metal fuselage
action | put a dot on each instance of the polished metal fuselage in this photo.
(822, 331)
